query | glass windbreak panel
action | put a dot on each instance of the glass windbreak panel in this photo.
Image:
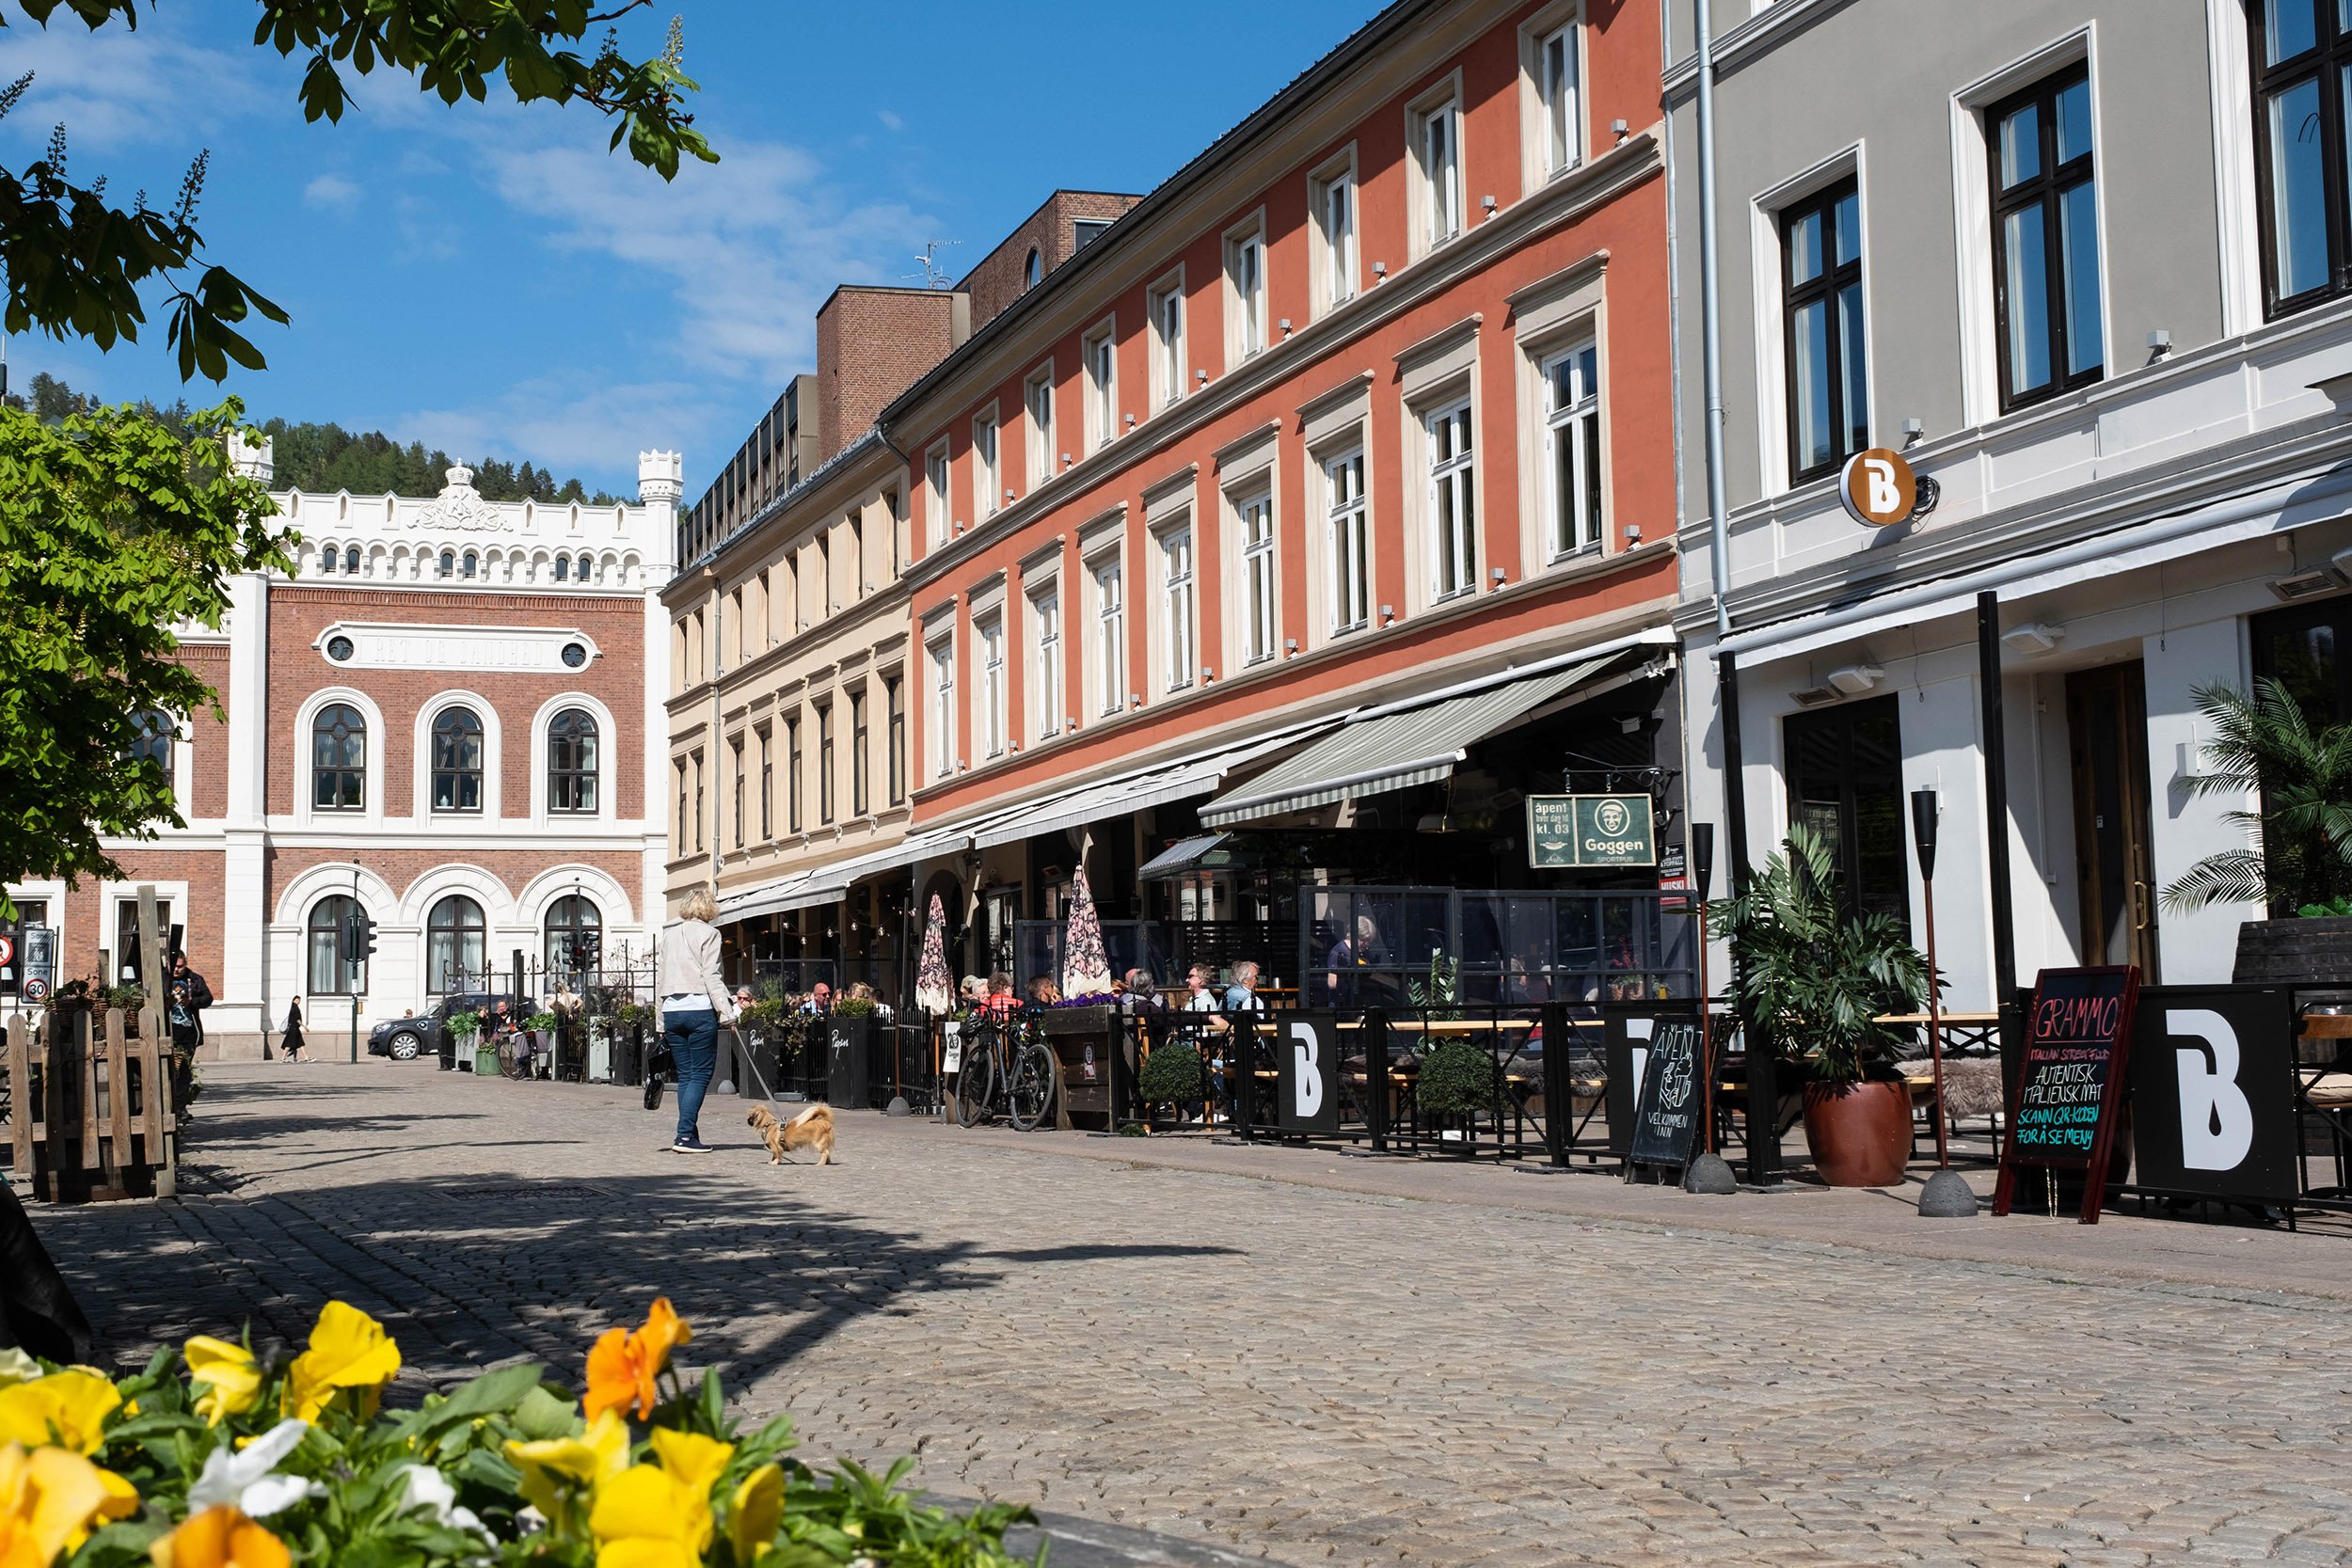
(1804, 249)
(1849, 222)
(2073, 122)
(2298, 188)
(2028, 300)
(2078, 254)
(1529, 974)
(1853, 391)
(1575, 940)
(1482, 919)
(2021, 146)
(2290, 27)
(1881, 837)
(1810, 370)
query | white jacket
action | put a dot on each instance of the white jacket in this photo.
(690, 967)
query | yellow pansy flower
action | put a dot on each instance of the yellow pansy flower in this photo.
(590, 1459)
(754, 1513)
(69, 1408)
(643, 1518)
(220, 1537)
(695, 1463)
(348, 1350)
(50, 1500)
(234, 1377)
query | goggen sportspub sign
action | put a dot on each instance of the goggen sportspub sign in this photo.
(1566, 830)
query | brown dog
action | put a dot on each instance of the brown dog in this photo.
(811, 1128)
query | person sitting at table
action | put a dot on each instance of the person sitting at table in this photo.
(1141, 996)
(1242, 995)
(1043, 992)
(1353, 953)
(1000, 998)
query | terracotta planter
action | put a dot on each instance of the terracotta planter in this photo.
(1860, 1133)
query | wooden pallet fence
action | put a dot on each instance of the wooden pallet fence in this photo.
(88, 1109)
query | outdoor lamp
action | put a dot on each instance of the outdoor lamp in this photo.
(1703, 858)
(1924, 809)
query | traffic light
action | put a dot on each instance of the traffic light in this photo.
(359, 938)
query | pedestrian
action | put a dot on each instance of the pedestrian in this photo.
(292, 1040)
(695, 1002)
(188, 996)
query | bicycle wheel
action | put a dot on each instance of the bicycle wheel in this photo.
(1031, 1094)
(976, 1084)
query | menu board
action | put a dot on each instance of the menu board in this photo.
(1666, 1118)
(2069, 1092)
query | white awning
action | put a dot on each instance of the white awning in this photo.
(1128, 792)
(766, 898)
(824, 884)
(1392, 748)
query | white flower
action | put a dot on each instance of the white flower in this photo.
(17, 1366)
(249, 1481)
(430, 1490)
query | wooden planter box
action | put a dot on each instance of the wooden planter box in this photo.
(2295, 952)
(1080, 1021)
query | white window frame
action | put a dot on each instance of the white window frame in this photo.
(1452, 478)
(1166, 308)
(1336, 246)
(1037, 407)
(1106, 602)
(1578, 425)
(1261, 604)
(988, 464)
(1179, 550)
(1439, 176)
(940, 652)
(1047, 659)
(988, 635)
(1347, 521)
(935, 481)
(1098, 358)
(1246, 291)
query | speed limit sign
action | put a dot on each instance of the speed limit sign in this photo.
(8, 950)
(36, 989)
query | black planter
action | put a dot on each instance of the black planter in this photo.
(847, 1041)
(2295, 952)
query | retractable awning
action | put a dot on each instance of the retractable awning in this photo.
(799, 890)
(1146, 786)
(1202, 853)
(1392, 748)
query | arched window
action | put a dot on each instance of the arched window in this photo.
(449, 562)
(327, 558)
(562, 568)
(457, 761)
(151, 736)
(574, 936)
(572, 761)
(335, 970)
(587, 568)
(1034, 270)
(351, 559)
(466, 568)
(453, 947)
(338, 759)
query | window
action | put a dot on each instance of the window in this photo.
(680, 836)
(2302, 80)
(447, 563)
(335, 970)
(1452, 503)
(735, 748)
(572, 761)
(1038, 402)
(990, 633)
(987, 476)
(1556, 91)
(1350, 541)
(1110, 640)
(127, 934)
(897, 739)
(326, 561)
(861, 791)
(1245, 278)
(454, 947)
(574, 939)
(942, 714)
(1101, 367)
(154, 734)
(792, 815)
(1083, 231)
(1032, 270)
(1257, 573)
(456, 761)
(1829, 402)
(698, 801)
(1166, 309)
(2046, 240)
(351, 559)
(1845, 782)
(1572, 432)
(824, 764)
(936, 492)
(1176, 606)
(467, 567)
(1045, 663)
(766, 786)
(1333, 198)
(586, 569)
(1437, 166)
(338, 759)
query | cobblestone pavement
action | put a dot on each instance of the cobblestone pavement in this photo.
(1311, 1375)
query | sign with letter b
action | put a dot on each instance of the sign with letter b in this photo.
(2213, 1091)
(1307, 1072)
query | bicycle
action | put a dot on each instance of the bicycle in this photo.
(997, 1056)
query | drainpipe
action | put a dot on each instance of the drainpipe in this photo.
(718, 674)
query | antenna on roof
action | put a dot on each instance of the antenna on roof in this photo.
(933, 274)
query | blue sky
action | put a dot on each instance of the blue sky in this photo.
(489, 280)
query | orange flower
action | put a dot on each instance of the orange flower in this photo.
(623, 1363)
(220, 1538)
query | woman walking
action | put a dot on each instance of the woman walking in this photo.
(695, 1002)
(292, 1042)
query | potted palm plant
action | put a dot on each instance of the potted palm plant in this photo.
(1817, 975)
(2297, 862)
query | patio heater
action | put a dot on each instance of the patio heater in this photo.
(1708, 1172)
(1945, 1195)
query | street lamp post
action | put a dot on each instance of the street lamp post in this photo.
(1708, 1172)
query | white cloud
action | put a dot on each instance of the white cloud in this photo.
(116, 88)
(332, 192)
(594, 430)
(890, 120)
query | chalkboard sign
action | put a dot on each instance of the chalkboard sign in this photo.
(1666, 1118)
(2069, 1094)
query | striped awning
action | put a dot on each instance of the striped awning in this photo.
(1386, 749)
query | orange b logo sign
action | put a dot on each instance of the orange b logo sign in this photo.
(1878, 488)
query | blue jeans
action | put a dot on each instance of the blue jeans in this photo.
(693, 1041)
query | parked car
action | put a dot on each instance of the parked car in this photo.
(403, 1039)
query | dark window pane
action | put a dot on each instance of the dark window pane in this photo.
(2289, 28)
(2021, 146)
(2073, 122)
(1848, 216)
(1811, 374)
(2028, 289)
(1804, 249)
(2298, 189)
(2078, 254)
(1852, 385)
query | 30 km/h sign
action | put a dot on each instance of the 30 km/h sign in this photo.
(1566, 831)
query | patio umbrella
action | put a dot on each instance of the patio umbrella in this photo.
(934, 988)
(1084, 969)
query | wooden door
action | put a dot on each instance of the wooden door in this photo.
(2106, 712)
